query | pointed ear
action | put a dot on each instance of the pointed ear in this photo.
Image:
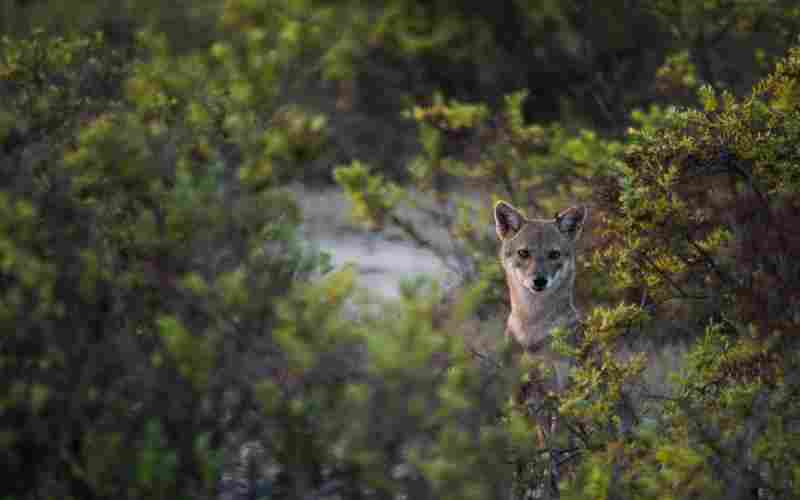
(507, 220)
(572, 220)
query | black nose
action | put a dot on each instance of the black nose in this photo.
(540, 283)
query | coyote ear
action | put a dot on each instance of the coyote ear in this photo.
(507, 220)
(571, 221)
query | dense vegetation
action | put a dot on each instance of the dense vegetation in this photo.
(168, 333)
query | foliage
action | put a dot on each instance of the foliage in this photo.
(130, 248)
(159, 307)
(161, 312)
(584, 64)
(491, 155)
(696, 234)
(700, 223)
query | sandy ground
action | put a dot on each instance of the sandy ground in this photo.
(381, 264)
(382, 260)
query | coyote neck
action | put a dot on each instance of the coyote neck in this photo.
(534, 316)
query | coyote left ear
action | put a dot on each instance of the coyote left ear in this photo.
(571, 221)
(508, 220)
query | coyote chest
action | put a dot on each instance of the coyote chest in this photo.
(538, 257)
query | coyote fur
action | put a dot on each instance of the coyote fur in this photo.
(538, 257)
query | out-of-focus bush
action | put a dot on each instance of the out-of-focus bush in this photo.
(584, 64)
(133, 240)
(159, 308)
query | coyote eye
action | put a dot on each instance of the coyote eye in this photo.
(523, 253)
(554, 254)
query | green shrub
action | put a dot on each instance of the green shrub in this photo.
(700, 225)
(134, 245)
(696, 217)
(160, 309)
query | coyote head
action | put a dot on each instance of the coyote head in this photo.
(538, 257)
(539, 254)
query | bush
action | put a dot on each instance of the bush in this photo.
(696, 236)
(160, 309)
(161, 313)
(131, 245)
(700, 224)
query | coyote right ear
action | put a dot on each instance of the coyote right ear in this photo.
(571, 221)
(507, 220)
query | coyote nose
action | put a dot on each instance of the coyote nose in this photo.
(539, 283)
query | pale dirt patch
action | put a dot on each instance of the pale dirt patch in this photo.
(381, 264)
(381, 259)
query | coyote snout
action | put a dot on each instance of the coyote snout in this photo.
(541, 273)
(538, 257)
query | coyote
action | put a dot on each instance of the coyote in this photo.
(538, 257)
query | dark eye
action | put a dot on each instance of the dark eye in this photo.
(523, 253)
(554, 254)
